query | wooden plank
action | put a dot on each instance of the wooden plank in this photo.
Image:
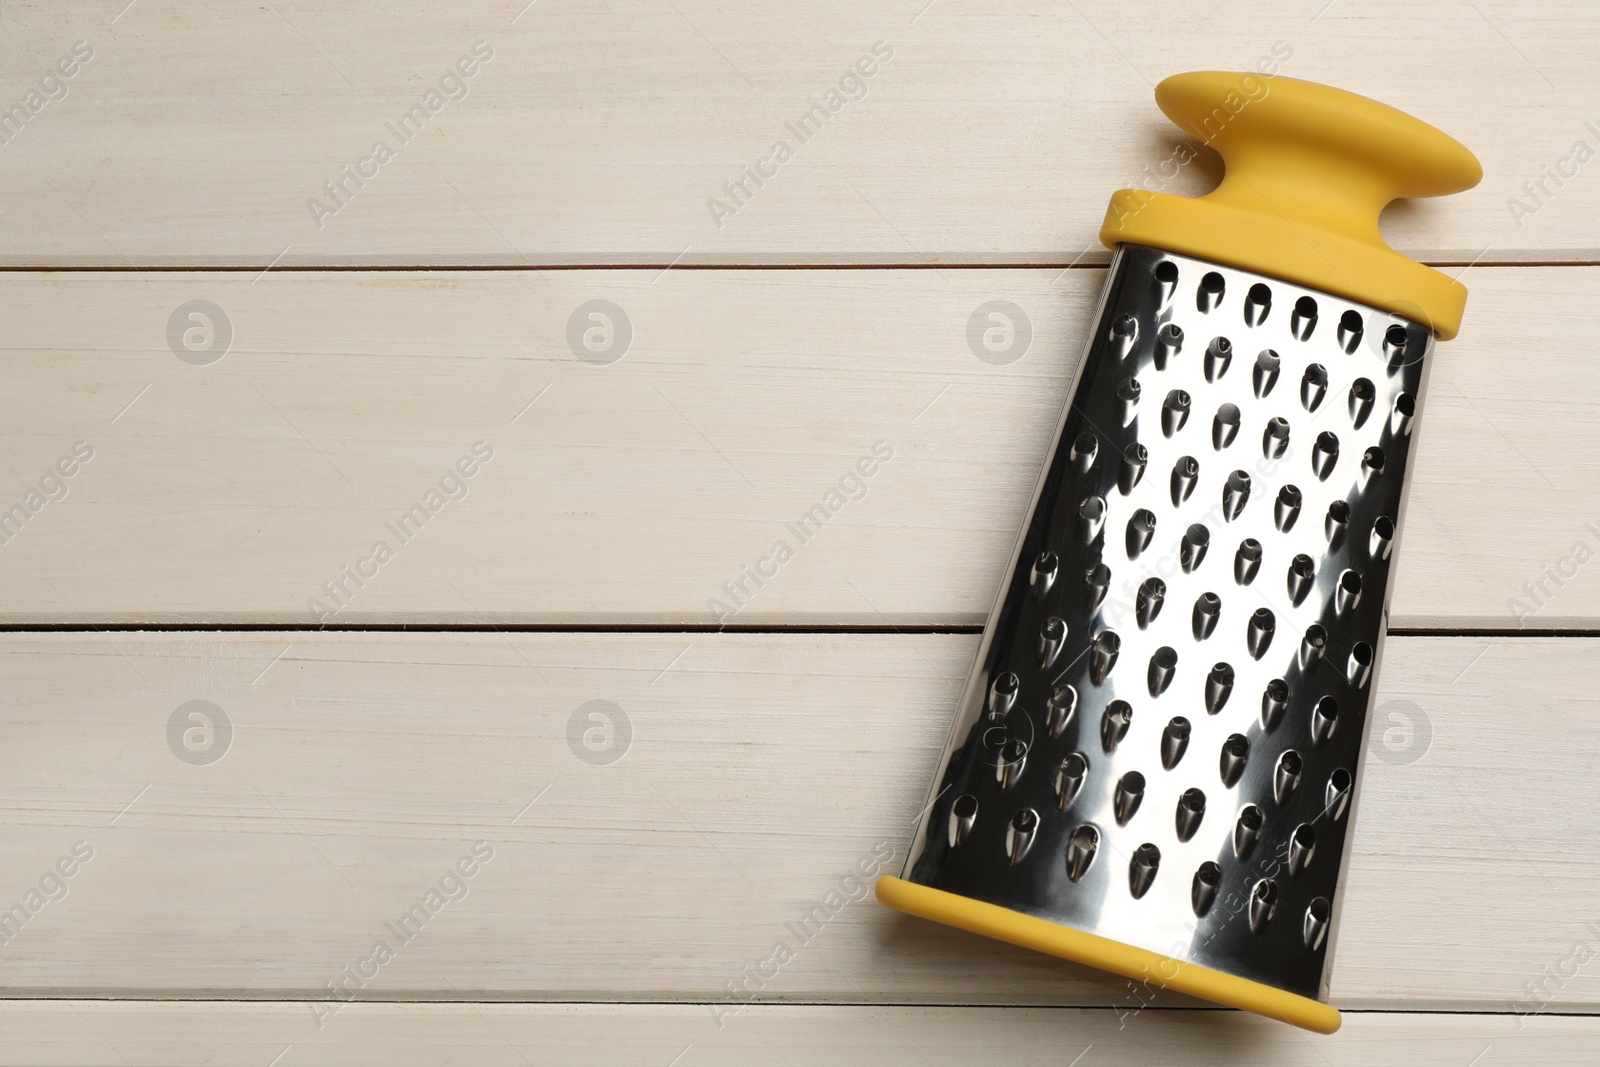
(636, 492)
(994, 133)
(759, 774)
(110, 1034)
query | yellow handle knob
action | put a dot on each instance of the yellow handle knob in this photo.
(1309, 169)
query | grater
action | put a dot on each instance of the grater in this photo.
(1154, 763)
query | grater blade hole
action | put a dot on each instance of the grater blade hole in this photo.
(1337, 521)
(1063, 704)
(1350, 330)
(1313, 386)
(1209, 293)
(1081, 849)
(1302, 846)
(1405, 408)
(1142, 869)
(1175, 411)
(1174, 741)
(1219, 685)
(1362, 395)
(1046, 566)
(1096, 581)
(1263, 904)
(1286, 775)
(1275, 440)
(1070, 776)
(1286, 508)
(1091, 516)
(1324, 721)
(1325, 454)
(1083, 451)
(1191, 810)
(1020, 833)
(1130, 794)
(1163, 664)
(1103, 656)
(1337, 796)
(1203, 891)
(1114, 724)
(1303, 319)
(1257, 303)
(1315, 928)
(1247, 561)
(1264, 375)
(1128, 391)
(1169, 342)
(1207, 609)
(963, 813)
(1312, 646)
(1185, 473)
(1274, 700)
(1247, 830)
(1382, 537)
(1258, 632)
(1124, 332)
(1235, 754)
(1219, 353)
(1003, 694)
(1192, 550)
(1302, 576)
(1225, 427)
(1052, 636)
(1013, 759)
(1359, 668)
(1372, 461)
(1147, 605)
(1134, 459)
(1166, 279)
(1348, 595)
(1235, 495)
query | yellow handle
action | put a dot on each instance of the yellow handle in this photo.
(1309, 169)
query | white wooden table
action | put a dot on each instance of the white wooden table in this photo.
(374, 724)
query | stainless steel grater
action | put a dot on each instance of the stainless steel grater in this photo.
(1154, 764)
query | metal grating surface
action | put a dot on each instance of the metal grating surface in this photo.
(1160, 738)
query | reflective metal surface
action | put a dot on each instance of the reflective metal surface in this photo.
(1160, 740)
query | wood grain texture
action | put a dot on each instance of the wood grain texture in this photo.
(197, 134)
(632, 493)
(102, 1034)
(760, 773)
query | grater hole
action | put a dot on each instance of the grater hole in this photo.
(1185, 473)
(1304, 318)
(1091, 516)
(1070, 776)
(1359, 668)
(1219, 685)
(1316, 922)
(1063, 703)
(1302, 575)
(1207, 609)
(1142, 869)
(1225, 427)
(1128, 391)
(1337, 796)
(1052, 636)
(1247, 830)
(1257, 303)
(1337, 522)
(1124, 331)
(1193, 547)
(1191, 810)
(1114, 724)
(1265, 373)
(1258, 632)
(1235, 494)
(1263, 904)
(1324, 721)
(1302, 846)
(1174, 741)
(1174, 412)
(1209, 293)
(1312, 646)
(1163, 664)
(1134, 459)
(1350, 330)
(1286, 508)
(1103, 655)
(1348, 595)
(1130, 794)
(1003, 694)
(1273, 702)
(1219, 353)
(1141, 528)
(1325, 454)
(1313, 386)
(1405, 407)
(1147, 605)
(1247, 561)
(1235, 754)
(963, 813)
(1394, 341)
(1169, 342)
(1013, 758)
(1166, 279)
(1083, 451)
(1372, 461)
(1081, 849)
(1096, 580)
(1362, 394)
(1020, 834)
(1275, 441)
(1203, 891)
(1286, 775)
(1382, 537)
(1046, 566)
